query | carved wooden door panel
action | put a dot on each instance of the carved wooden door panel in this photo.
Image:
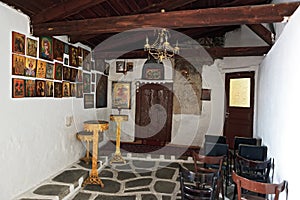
(154, 104)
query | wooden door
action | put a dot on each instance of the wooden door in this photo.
(154, 104)
(239, 89)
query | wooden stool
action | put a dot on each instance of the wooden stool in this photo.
(85, 136)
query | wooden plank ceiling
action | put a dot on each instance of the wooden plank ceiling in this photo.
(93, 21)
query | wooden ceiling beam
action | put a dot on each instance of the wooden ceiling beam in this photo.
(262, 32)
(214, 52)
(63, 10)
(166, 5)
(258, 14)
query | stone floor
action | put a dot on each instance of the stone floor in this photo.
(142, 177)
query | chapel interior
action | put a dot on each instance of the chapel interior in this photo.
(110, 99)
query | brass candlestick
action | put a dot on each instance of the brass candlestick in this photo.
(117, 158)
(95, 126)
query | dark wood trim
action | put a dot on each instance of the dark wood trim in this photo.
(257, 14)
(215, 52)
(262, 32)
(64, 10)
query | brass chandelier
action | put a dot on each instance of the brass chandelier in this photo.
(161, 48)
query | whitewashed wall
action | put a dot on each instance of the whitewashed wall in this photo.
(278, 104)
(35, 141)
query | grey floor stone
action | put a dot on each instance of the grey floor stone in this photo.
(138, 182)
(143, 164)
(82, 196)
(165, 173)
(164, 187)
(106, 173)
(106, 197)
(110, 186)
(149, 197)
(71, 176)
(53, 190)
(125, 175)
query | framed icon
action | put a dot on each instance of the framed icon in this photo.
(121, 95)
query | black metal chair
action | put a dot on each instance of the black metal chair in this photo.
(197, 186)
(253, 152)
(218, 149)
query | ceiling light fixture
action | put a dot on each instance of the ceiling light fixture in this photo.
(161, 48)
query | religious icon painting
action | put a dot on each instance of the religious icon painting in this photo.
(18, 64)
(30, 67)
(66, 48)
(57, 89)
(58, 71)
(30, 88)
(79, 90)
(80, 58)
(86, 55)
(120, 67)
(79, 76)
(73, 89)
(73, 74)
(40, 88)
(86, 83)
(49, 71)
(129, 66)
(49, 88)
(99, 65)
(66, 73)
(58, 50)
(18, 43)
(93, 77)
(88, 101)
(46, 47)
(41, 69)
(66, 89)
(31, 49)
(18, 90)
(73, 56)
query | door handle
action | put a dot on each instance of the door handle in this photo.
(227, 114)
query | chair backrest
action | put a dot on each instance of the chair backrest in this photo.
(257, 187)
(207, 160)
(243, 140)
(215, 139)
(253, 152)
(197, 186)
(215, 149)
(252, 169)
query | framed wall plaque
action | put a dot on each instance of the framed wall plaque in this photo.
(18, 88)
(121, 95)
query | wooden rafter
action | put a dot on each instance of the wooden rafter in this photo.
(64, 10)
(262, 32)
(215, 52)
(176, 19)
(167, 5)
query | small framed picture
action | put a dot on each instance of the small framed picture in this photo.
(79, 90)
(58, 71)
(49, 71)
(93, 77)
(66, 48)
(73, 56)
(129, 66)
(18, 64)
(66, 73)
(57, 89)
(49, 88)
(88, 100)
(121, 95)
(46, 47)
(73, 89)
(120, 67)
(40, 88)
(107, 67)
(79, 76)
(18, 43)
(74, 73)
(66, 89)
(30, 67)
(31, 47)
(41, 69)
(30, 88)
(86, 83)
(206, 94)
(58, 50)
(18, 90)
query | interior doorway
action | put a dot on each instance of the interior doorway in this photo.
(154, 108)
(239, 90)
